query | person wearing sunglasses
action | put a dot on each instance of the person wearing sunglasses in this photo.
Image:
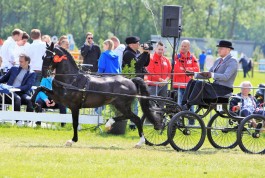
(90, 53)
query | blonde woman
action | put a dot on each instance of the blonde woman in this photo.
(108, 61)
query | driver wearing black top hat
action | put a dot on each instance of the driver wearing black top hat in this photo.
(223, 72)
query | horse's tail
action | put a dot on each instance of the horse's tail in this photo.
(145, 104)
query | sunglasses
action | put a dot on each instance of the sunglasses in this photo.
(90, 38)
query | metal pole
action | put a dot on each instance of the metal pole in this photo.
(173, 56)
(173, 63)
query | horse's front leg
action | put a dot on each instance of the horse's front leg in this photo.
(75, 117)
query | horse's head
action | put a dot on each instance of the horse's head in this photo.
(50, 59)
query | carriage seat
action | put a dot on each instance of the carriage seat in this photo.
(224, 99)
(220, 99)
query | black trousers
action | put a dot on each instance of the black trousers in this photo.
(19, 99)
(201, 92)
(42, 104)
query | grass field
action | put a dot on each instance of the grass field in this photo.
(29, 152)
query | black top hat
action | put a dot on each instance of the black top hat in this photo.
(226, 44)
(132, 39)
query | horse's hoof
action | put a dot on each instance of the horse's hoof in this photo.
(69, 143)
(137, 146)
(108, 128)
(109, 124)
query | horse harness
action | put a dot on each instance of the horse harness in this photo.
(80, 83)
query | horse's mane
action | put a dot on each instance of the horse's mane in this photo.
(69, 56)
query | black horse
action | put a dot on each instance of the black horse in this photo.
(75, 90)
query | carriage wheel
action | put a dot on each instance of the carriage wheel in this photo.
(159, 137)
(185, 137)
(221, 132)
(251, 135)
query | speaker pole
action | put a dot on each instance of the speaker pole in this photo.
(173, 55)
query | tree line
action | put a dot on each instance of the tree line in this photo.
(222, 19)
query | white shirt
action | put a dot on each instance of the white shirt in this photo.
(119, 51)
(7, 51)
(17, 51)
(249, 104)
(35, 51)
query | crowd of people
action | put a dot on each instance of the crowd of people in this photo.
(21, 65)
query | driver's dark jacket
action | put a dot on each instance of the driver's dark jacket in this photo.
(26, 83)
(142, 60)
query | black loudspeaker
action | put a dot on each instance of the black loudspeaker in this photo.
(171, 21)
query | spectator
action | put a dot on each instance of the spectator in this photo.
(202, 58)
(132, 52)
(223, 72)
(108, 61)
(90, 53)
(245, 64)
(7, 50)
(64, 44)
(184, 61)
(61, 40)
(159, 64)
(21, 77)
(20, 47)
(43, 101)
(118, 48)
(35, 51)
(46, 39)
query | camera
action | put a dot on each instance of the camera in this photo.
(150, 45)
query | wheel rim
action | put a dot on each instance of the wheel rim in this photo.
(156, 137)
(252, 137)
(187, 137)
(222, 132)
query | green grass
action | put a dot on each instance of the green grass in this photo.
(258, 78)
(28, 152)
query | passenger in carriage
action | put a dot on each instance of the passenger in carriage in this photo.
(246, 104)
(21, 77)
(223, 71)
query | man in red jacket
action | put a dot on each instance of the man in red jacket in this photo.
(161, 67)
(184, 62)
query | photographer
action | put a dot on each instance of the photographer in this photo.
(132, 52)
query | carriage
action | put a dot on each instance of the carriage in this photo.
(158, 126)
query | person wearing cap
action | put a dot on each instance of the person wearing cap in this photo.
(132, 52)
(223, 72)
